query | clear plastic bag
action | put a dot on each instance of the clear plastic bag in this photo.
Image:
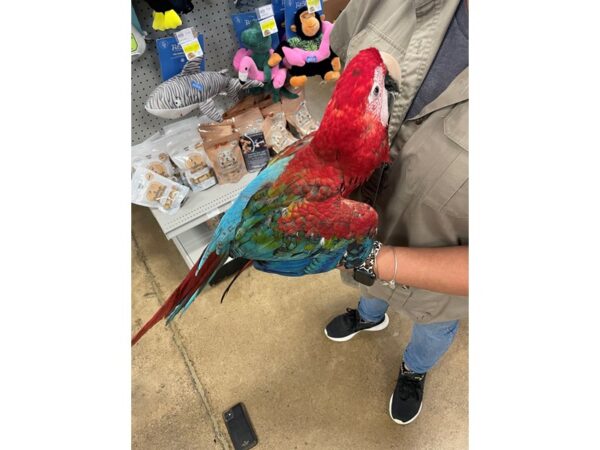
(276, 133)
(187, 152)
(298, 116)
(153, 155)
(152, 190)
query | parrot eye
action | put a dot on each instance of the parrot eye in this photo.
(376, 91)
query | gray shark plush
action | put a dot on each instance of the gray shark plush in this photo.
(193, 89)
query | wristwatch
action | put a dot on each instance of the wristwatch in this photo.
(364, 273)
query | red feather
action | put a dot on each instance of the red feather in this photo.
(190, 284)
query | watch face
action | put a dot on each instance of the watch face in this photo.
(364, 277)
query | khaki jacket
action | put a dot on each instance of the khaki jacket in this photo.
(423, 201)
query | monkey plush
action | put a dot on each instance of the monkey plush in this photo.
(312, 34)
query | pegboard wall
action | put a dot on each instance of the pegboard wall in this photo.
(212, 18)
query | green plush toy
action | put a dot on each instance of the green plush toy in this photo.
(253, 39)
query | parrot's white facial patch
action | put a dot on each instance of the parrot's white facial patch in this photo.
(377, 101)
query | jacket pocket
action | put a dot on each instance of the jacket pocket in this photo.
(450, 192)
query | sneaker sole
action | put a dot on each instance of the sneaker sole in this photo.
(399, 421)
(382, 326)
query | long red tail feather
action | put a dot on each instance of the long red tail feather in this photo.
(190, 284)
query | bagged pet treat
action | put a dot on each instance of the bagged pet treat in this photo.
(214, 132)
(187, 152)
(252, 139)
(152, 190)
(226, 159)
(276, 133)
(297, 115)
(153, 155)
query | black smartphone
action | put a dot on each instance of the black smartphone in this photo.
(239, 427)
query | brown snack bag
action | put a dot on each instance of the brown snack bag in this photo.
(226, 158)
(249, 120)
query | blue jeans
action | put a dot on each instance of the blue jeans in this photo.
(428, 342)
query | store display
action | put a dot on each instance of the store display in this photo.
(193, 89)
(294, 218)
(308, 52)
(152, 190)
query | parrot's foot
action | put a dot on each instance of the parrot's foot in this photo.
(336, 64)
(300, 81)
(332, 75)
(274, 59)
(172, 20)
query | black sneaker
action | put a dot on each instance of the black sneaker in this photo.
(407, 399)
(345, 326)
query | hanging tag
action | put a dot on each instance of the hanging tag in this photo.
(263, 12)
(190, 45)
(313, 5)
(268, 26)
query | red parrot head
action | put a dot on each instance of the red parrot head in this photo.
(354, 126)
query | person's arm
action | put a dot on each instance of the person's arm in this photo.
(442, 269)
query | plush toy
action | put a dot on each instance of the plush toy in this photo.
(193, 89)
(251, 61)
(166, 13)
(308, 54)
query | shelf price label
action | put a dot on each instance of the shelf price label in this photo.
(313, 5)
(189, 43)
(268, 26)
(266, 20)
(263, 12)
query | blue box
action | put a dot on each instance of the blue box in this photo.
(171, 56)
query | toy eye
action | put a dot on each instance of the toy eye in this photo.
(177, 102)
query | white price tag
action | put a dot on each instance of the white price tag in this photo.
(313, 5)
(262, 12)
(190, 44)
(185, 35)
(268, 26)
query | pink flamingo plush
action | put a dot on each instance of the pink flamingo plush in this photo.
(246, 67)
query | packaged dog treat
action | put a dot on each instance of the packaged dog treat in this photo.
(297, 115)
(276, 133)
(214, 133)
(153, 155)
(187, 152)
(252, 139)
(226, 158)
(152, 190)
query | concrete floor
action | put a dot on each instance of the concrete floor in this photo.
(265, 346)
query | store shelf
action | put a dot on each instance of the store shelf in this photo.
(191, 243)
(201, 206)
